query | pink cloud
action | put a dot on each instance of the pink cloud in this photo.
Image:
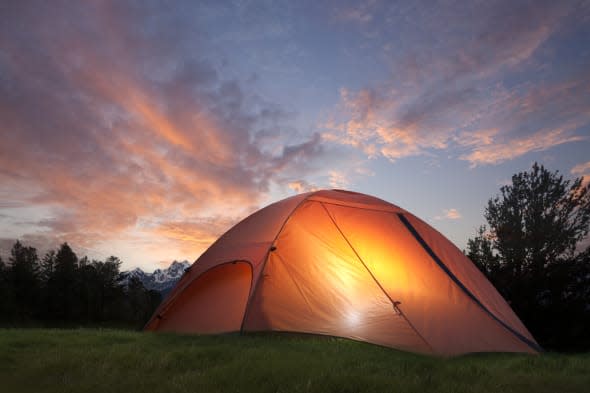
(112, 150)
(452, 96)
(582, 169)
(495, 153)
(301, 186)
(483, 129)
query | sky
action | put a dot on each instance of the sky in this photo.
(146, 129)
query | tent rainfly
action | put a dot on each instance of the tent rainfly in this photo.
(343, 264)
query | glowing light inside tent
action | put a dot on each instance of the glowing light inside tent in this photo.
(385, 252)
(353, 318)
(344, 277)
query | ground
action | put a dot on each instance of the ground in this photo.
(99, 360)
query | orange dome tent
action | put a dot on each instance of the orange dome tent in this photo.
(343, 264)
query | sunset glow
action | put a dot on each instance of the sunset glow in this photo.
(147, 130)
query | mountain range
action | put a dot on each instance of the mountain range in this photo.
(161, 280)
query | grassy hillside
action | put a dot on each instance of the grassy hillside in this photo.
(42, 360)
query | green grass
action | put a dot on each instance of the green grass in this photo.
(91, 360)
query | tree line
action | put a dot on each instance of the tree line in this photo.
(536, 251)
(61, 289)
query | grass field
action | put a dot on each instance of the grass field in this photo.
(90, 360)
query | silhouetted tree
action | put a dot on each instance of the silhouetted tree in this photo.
(47, 266)
(530, 254)
(61, 294)
(87, 309)
(110, 291)
(140, 302)
(62, 289)
(101, 289)
(7, 306)
(23, 280)
(481, 251)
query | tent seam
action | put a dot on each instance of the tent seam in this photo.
(266, 256)
(375, 279)
(414, 232)
(388, 209)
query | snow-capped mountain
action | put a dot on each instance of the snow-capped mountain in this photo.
(161, 280)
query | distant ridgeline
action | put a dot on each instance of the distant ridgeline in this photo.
(61, 289)
(161, 280)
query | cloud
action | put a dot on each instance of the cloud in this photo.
(582, 169)
(385, 122)
(338, 179)
(121, 124)
(449, 214)
(466, 42)
(301, 186)
(460, 89)
(190, 237)
(367, 126)
(370, 125)
(363, 171)
(497, 152)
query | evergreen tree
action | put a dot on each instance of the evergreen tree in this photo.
(110, 293)
(87, 289)
(101, 295)
(47, 266)
(141, 302)
(23, 278)
(62, 289)
(6, 296)
(46, 271)
(62, 293)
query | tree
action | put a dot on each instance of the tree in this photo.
(110, 291)
(61, 294)
(539, 219)
(23, 278)
(531, 253)
(6, 295)
(47, 266)
(101, 291)
(62, 289)
(141, 302)
(481, 251)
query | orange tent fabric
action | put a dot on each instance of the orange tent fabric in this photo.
(343, 264)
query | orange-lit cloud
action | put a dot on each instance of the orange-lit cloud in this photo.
(301, 186)
(127, 138)
(582, 169)
(192, 237)
(449, 214)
